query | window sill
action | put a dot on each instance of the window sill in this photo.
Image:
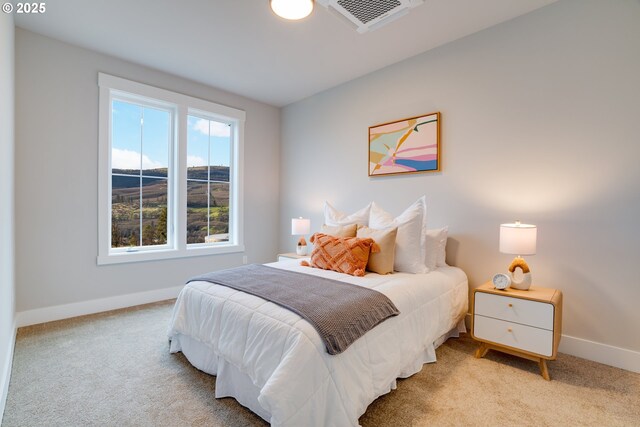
(158, 255)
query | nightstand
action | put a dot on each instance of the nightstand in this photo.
(522, 323)
(291, 255)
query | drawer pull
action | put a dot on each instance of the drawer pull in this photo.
(510, 305)
(509, 330)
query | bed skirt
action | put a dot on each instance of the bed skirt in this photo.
(231, 382)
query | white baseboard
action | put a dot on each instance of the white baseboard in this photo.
(594, 351)
(602, 353)
(65, 311)
(5, 374)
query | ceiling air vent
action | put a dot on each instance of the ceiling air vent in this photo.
(367, 15)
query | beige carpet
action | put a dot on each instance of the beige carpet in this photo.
(114, 369)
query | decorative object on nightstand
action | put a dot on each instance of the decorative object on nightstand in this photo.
(501, 281)
(522, 323)
(518, 239)
(300, 227)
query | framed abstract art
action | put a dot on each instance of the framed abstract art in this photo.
(405, 146)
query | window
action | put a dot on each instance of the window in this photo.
(140, 140)
(169, 174)
(208, 159)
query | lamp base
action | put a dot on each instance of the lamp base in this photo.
(301, 249)
(525, 283)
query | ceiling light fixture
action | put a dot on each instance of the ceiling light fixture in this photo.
(292, 9)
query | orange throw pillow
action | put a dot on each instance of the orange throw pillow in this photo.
(342, 254)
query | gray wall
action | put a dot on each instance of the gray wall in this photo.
(540, 122)
(7, 288)
(57, 180)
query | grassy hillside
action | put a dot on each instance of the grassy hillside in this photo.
(204, 200)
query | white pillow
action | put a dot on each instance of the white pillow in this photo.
(442, 247)
(411, 223)
(435, 245)
(334, 217)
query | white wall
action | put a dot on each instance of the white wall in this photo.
(7, 288)
(57, 180)
(540, 122)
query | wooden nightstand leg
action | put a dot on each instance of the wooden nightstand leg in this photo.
(481, 351)
(543, 369)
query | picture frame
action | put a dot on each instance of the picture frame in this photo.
(405, 146)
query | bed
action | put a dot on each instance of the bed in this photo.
(273, 361)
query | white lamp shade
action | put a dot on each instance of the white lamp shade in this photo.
(292, 9)
(518, 239)
(300, 226)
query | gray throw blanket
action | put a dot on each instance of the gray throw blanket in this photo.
(340, 312)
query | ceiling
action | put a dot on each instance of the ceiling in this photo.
(242, 47)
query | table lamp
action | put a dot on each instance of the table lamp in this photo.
(300, 227)
(518, 239)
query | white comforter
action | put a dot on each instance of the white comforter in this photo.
(299, 383)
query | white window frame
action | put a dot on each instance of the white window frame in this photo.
(116, 95)
(115, 87)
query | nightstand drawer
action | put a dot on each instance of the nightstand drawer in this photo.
(534, 340)
(526, 312)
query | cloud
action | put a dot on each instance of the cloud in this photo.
(128, 159)
(217, 128)
(195, 161)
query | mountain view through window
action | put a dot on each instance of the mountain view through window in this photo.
(208, 160)
(139, 175)
(140, 154)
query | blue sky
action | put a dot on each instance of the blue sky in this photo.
(128, 150)
(199, 132)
